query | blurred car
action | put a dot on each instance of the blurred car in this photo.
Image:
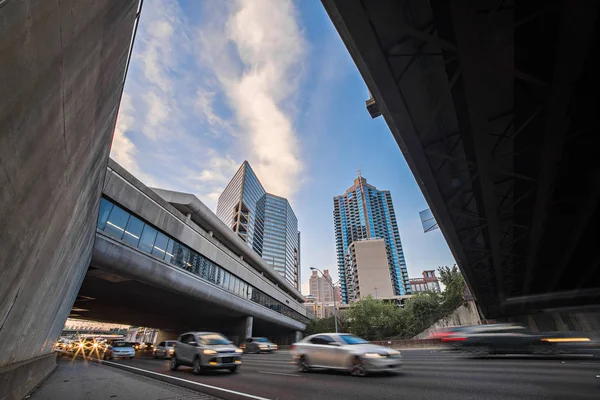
(483, 340)
(86, 346)
(119, 350)
(258, 345)
(147, 346)
(344, 351)
(206, 350)
(164, 349)
(445, 332)
(63, 344)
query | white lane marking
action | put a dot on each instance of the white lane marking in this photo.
(250, 396)
(276, 373)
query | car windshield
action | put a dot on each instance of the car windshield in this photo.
(261, 340)
(214, 339)
(351, 339)
(169, 344)
(121, 344)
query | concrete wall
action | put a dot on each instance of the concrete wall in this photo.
(61, 73)
(464, 315)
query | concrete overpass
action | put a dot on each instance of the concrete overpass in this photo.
(494, 105)
(155, 266)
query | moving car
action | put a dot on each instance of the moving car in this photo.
(258, 345)
(483, 340)
(344, 351)
(137, 345)
(206, 350)
(440, 334)
(164, 349)
(119, 350)
(147, 346)
(86, 346)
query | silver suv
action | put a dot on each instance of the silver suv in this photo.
(206, 350)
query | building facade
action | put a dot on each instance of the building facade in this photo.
(367, 270)
(428, 283)
(364, 212)
(266, 222)
(320, 287)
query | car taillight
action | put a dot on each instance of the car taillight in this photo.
(453, 339)
(292, 347)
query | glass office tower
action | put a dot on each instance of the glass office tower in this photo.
(263, 220)
(364, 212)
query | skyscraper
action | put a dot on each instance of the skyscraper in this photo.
(320, 287)
(364, 212)
(263, 220)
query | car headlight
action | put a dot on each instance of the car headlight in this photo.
(393, 352)
(238, 351)
(208, 351)
(373, 355)
(81, 345)
(171, 351)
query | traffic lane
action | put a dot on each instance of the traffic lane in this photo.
(425, 375)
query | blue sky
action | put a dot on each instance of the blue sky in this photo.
(213, 83)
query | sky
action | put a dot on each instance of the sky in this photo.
(213, 83)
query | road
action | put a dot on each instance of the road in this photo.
(426, 375)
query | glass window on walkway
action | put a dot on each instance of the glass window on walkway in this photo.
(120, 224)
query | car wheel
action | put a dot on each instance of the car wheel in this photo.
(233, 369)
(197, 366)
(303, 365)
(358, 368)
(174, 364)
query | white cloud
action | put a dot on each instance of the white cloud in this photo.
(123, 150)
(260, 82)
(201, 98)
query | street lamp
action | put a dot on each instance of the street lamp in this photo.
(332, 287)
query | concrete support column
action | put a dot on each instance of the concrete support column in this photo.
(61, 77)
(248, 331)
(298, 336)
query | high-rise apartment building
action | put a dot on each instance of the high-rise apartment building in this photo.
(364, 212)
(320, 287)
(263, 220)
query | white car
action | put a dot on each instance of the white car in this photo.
(344, 351)
(164, 349)
(119, 350)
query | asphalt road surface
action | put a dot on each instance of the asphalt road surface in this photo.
(426, 375)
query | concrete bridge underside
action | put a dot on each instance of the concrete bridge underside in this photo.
(494, 105)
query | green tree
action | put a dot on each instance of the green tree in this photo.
(453, 295)
(372, 319)
(421, 310)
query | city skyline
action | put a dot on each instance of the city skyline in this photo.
(364, 212)
(201, 79)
